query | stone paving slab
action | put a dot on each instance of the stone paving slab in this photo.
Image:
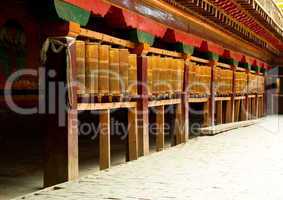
(245, 164)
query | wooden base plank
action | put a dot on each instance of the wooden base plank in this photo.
(226, 127)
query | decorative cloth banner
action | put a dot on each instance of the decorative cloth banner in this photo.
(57, 46)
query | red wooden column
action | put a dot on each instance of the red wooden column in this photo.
(61, 143)
(212, 104)
(184, 101)
(234, 107)
(104, 140)
(247, 101)
(160, 128)
(142, 102)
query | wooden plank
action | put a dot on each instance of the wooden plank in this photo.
(106, 38)
(240, 69)
(223, 65)
(160, 128)
(165, 52)
(157, 103)
(226, 127)
(105, 106)
(240, 98)
(198, 100)
(222, 98)
(199, 60)
(104, 139)
(252, 96)
(132, 134)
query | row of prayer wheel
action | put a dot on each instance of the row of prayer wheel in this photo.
(199, 79)
(105, 71)
(241, 79)
(223, 81)
(165, 76)
(256, 84)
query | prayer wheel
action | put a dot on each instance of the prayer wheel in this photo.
(92, 68)
(81, 66)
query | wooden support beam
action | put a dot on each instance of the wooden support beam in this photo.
(206, 114)
(160, 128)
(237, 110)
(157, 103)
(184, 103)
(105, 106)
(132, 134)
(142, 105)
(243, 109)
(233, 101)
(229, 111)
(178, 128)
(61, 144)
(104, 139)
(213, 64)
(219, 112)
(198, 100)
(106, 38)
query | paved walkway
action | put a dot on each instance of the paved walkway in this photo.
(245, 164)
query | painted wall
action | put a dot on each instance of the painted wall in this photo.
(19, 39)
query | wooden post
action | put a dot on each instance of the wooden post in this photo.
(233, 102)
(229, 111)
(142, 102)
(219, 112)
(237, 110)
(211, 111)
(159, 128)
(206, 114)
(247, 103)
(184, 101)
(178, 129)
(243, 109)
(61, 144)
(132, 134)
(104, 139)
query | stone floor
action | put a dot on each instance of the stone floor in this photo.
(244, 164)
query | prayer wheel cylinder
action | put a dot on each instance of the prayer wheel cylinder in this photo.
(103, 75)
(124, 70)
(92, 68)
(80, 61)
(114, 74)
